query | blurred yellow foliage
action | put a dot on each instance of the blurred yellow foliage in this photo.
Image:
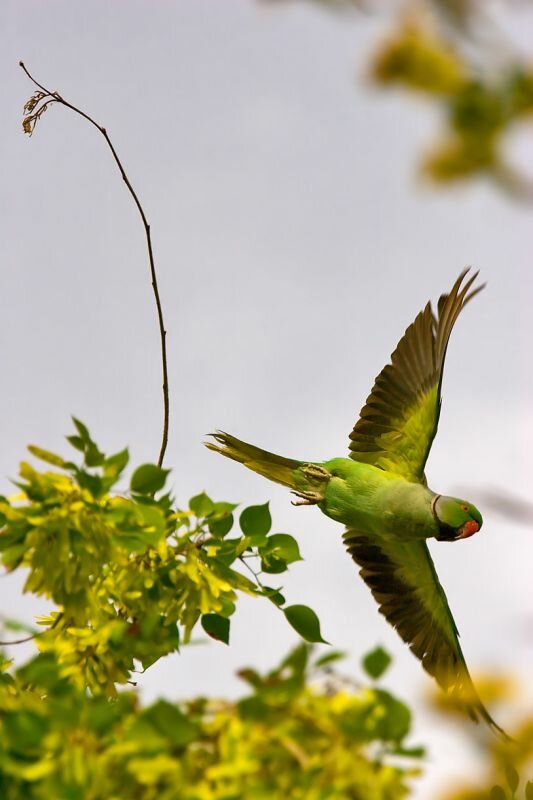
(509, 764)
(420, 60)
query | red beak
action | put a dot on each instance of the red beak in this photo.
(468, 529)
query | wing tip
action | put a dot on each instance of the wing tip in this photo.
(480, 711)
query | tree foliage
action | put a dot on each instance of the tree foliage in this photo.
(297, 733)
(456, 55)
(131, 575)
(129, 572)
(507, 771)
(479, 110)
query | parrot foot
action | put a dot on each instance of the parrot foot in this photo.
(316, 472)
(307, 498)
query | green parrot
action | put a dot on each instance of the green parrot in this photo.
(380, 494)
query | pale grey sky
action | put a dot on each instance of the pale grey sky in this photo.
(294, 244)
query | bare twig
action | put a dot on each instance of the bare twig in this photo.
(254, 573)
(33, 635)
(33, 110)
(21, 641)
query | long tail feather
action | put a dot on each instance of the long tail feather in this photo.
(275, 468)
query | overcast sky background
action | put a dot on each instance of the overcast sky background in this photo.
(294, 244)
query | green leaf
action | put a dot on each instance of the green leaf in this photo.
(41, 671)
(93, 456)
(216, 627)
(223, 507)
(220, 526)
(409, 752)
(201, 505)
(116, 463)
(255, 520)
(512, 778)
(148, 478)
(253, 708)
(91, 482)
(329, 658)
(497, 793)
(529, 790)
(171, 723)
(25, 730)
(305, 622)
(12, 556)
(227, 607)
(376, 663)
(274, 595)
(5, 663)
(297, 659)
(82, 430)
(251, 676)
(47, 456)
(282, 546)
(272, 565)
(226, 550)
(77, 442)
(143, 527)
(392, 721)
(256, 540)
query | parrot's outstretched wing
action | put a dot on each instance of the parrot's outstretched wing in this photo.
(402, 577)
(399, 420)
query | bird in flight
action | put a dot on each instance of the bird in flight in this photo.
(380, 494)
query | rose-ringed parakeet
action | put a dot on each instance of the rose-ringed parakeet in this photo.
(380, 494)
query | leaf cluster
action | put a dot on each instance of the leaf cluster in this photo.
(299, 733)
(479, 107)
(457, 54)
(129, 572)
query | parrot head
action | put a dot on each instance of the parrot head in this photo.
(457, 519)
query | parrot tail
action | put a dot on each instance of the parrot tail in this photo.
(307, 480)
(275, 468)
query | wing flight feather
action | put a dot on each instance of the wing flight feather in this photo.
(403, 580)
(399, 421)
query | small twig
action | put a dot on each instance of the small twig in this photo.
(34, 635)
(21, 641)
(254, 573)
(56, 97)
(204, 539)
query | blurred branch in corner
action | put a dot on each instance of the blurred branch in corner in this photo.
(468, 58)
(506, 767)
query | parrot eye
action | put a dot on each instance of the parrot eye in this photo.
(465, 508)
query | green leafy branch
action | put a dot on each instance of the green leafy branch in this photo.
(298, 732)
(479, 109)
(456, 54)
(130, 573)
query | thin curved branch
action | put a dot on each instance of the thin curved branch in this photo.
(33, 111)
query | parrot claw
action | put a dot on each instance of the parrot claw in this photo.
(307, 498)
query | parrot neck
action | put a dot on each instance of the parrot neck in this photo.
(446, 532)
